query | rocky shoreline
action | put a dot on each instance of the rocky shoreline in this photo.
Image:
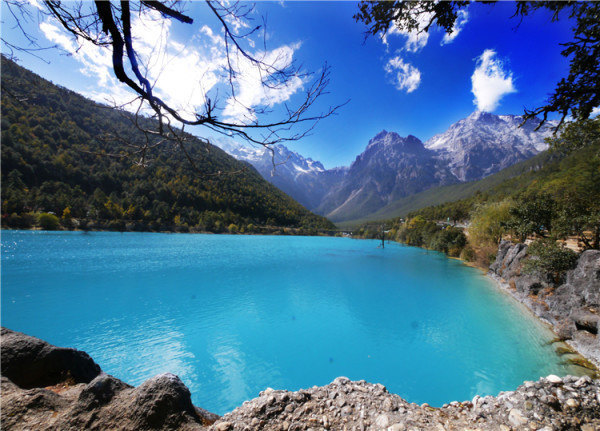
(572, 308)
(47, 388)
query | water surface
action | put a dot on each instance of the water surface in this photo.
(232, 315)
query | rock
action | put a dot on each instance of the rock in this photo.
(516, 418)
(586, 321)
(582, 381)
(30, 362)
(100, 391)
(160, 402)
(341, 380)
(573, 307)
(223, 426)
(554, 379)
(572, 403)
(382, 421)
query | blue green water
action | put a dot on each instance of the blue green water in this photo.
(232, 315)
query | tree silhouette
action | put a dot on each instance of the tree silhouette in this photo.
(109, 24)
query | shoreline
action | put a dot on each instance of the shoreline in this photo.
(47, 387)
(579, 350)
(268, 231)
(505, 287)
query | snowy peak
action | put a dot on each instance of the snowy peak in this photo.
(304, 179)
(392, 141)
(484, 143)
(278, 160)
(494, 130)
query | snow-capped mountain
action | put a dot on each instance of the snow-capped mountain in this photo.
(484, 143)
(392, 167)
(304, 179)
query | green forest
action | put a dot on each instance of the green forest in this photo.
(62, 170)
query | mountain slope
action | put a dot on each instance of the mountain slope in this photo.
(304, 179)
(390, 167)
(54, 157)
(499, 182)
(393, 168)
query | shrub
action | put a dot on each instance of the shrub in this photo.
(467, 254)
(549, 259)
(232, 228)
(48, 221)
(488, 223)
(531, 214)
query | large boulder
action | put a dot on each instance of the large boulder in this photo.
(30, 362)
(508, 259)
(48, 388)
(586, 277)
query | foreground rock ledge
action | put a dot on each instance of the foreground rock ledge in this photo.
(74, 394)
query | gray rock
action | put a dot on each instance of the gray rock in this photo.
(572, 308)
(162, 402)
(30, 362)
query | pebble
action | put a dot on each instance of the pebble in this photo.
(571, 403)
(382, 421)
(516, 418)
(223, 426)
(554, 379)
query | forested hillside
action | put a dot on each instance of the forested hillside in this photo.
(557, 198)
(57, 159)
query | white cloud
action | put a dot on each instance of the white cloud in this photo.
(182, 75)
(405, 76)
(595, 112)
(490, 81)
(251, 92)
(461, 20)
(416, 39)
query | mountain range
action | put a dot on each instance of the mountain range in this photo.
(393, 167)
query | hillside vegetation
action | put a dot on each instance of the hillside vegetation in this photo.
(57, 169)
(557, 196)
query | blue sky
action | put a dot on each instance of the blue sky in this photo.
(409, 86)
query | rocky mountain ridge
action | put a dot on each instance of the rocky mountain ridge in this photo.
(393, 167)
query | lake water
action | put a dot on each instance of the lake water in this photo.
(233, 315)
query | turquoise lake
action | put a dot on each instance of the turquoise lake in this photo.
(232, 315)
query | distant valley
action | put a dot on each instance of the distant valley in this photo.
(393, 168)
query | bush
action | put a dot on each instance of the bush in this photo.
(488, 223)
(22, 221)
(549, 259)
(467, 254)
(449, 240)
(232, 228)
(48, 221)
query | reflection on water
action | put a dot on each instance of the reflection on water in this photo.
(232, 315)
